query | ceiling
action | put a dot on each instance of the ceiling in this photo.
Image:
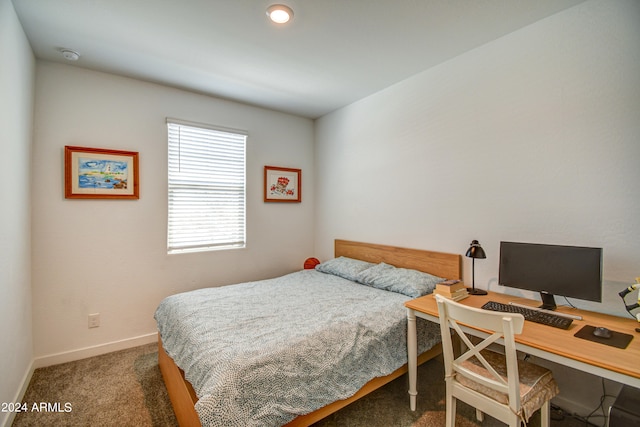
(333, 52)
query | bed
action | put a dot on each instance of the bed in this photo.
(331, 319)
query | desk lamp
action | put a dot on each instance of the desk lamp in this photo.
(475, 251)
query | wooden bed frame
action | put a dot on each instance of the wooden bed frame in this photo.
(183, 397)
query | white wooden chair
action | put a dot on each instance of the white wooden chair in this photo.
(502, 386)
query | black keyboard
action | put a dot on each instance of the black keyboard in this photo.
(531, 315)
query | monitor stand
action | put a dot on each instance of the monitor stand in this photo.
(548, 302)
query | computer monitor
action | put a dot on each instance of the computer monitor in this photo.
(569, 271)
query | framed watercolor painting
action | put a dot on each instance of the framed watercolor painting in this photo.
(282, 184)
(95, 173)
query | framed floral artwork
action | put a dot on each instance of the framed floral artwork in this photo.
(282, 184)
(95, 173)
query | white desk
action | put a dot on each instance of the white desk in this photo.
(546, 342)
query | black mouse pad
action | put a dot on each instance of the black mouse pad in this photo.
(618, 339)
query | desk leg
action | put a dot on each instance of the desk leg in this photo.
(412, 357)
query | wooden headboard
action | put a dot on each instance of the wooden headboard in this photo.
(439, 264)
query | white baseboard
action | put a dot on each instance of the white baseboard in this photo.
(570, 406)
(26, 379)
(83, 353)
(579, 408)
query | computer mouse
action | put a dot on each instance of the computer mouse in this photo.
(601, 332)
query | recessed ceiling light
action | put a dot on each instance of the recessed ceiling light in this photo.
(70, 55)
(279, 13)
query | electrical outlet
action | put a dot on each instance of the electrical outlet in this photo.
(94, 320)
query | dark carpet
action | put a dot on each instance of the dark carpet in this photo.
(125, 388)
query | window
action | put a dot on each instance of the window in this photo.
(206, 187)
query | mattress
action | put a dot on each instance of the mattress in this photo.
(262, 353)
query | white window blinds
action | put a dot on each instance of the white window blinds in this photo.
(206, 187)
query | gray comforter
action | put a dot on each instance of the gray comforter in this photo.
(262, 353)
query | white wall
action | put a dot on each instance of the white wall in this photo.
(533, 137)
(109, 256)
(16, 120)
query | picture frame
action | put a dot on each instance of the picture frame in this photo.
(97, 173)
(282, 184)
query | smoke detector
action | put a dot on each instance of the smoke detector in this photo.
(70, 55)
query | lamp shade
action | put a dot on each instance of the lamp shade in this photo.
(475, 250)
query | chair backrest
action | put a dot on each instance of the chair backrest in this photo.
(499, 326)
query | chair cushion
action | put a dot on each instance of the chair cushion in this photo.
(536, 383)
